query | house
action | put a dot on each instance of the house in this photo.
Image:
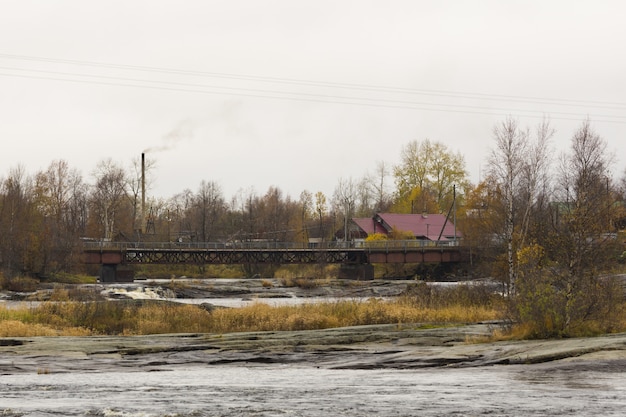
(432, 227)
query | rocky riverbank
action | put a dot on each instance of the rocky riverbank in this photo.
(266, 288)
(362, 347)
(403, 346)
(218, 288)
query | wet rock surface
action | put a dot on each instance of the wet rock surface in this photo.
(277, 288)
(407, 346)
(362, 347)
(222, 288)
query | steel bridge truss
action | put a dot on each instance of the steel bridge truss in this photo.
(242, 256)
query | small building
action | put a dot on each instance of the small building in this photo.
(430, 227)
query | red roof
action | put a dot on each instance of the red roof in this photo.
(423, 226)
(369, 226)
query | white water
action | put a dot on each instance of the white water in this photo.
(304, 391)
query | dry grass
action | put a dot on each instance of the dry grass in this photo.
(261, 317)
(318, 272)
(138, 318)
(302, 282)
(72, 318)
(18, 284)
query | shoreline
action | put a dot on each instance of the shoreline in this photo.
(394, 346)
(399, 347)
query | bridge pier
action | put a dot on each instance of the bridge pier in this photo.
(361, 272)
(116, 273)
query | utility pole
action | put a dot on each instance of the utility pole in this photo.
(454, 210)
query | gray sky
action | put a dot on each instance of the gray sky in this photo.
(297, 94)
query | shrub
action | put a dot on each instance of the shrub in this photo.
(123, 317)
(318, 271)
(65, 278)
(465, 295)
(19, 284)
(556, 305)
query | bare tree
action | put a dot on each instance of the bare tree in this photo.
(60, 195)
(365, 201)
(209, 207)
(108, 195)
(584, 177)
(534, 185)
(344, 200)
(180, 215)
(321, 210)
(244, 209)
(380, 187)
(17, 223)
(507, 164)
(306, 205)
(557, 301)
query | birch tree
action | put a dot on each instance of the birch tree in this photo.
(108, 195)
(571, 296)
(506, 166)
(344, 200)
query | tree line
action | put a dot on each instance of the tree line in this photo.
(565, 204)
(44, 216)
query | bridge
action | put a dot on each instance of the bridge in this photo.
(356, 258)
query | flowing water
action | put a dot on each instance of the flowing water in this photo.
(192, 389)
(285, 390)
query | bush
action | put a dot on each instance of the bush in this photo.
(318, 271)
(19, 284)
(64, 278)
(466, 295)
(301, 282)
(123, 317)
(75, 293)
(559, 305)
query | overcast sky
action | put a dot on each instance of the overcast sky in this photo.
(298, 94)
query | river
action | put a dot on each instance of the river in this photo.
(285, 390)
(172, 383)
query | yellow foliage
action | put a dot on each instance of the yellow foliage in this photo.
(530, 257)
(397, 234)
(376, 236)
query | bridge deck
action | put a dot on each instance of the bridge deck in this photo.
(410, 251)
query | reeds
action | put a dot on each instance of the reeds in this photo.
(138, 318)
(261, 317)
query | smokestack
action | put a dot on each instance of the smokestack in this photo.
(143, 192)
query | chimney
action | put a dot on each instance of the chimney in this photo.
(143, 192)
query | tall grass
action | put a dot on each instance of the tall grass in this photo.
(261, 317)
(138, 318)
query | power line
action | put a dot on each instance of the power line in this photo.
(299, 96)
(367, 87)
(330, 98)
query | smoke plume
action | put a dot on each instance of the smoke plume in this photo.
(182, 131)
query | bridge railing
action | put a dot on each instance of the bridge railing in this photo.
(260, 245)
(404, 244)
